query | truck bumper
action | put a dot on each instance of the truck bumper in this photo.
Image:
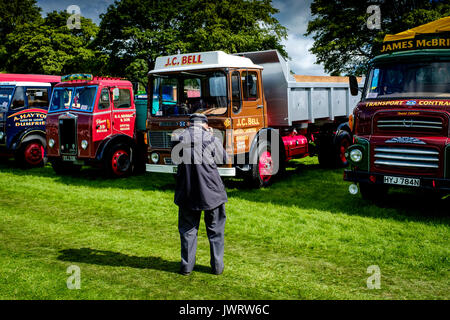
(164, 168)
(377, 178)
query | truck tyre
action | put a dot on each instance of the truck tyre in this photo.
(326, 155)
(117, 162)
(31, 154)
(373, 192)
(65, 168)
(261, 175)
(342, 142)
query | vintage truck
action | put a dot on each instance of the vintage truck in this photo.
(91, 121)
(401, 126)
(263, 113)
(24, 100)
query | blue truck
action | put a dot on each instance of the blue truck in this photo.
(24, 101)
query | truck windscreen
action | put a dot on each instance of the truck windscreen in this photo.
(190, 92)
(409, 80)
(5, 98)
(78, 98)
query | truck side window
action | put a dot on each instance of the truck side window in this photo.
(250, 85)
(236, 92)
(122, 99)
(103, 103)
(18, 99)
(37, 97)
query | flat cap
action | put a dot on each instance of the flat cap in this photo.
(198, 117)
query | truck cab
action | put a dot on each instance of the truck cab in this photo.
(226, 88)
(402, 123)
(24, 101)
(91, 121)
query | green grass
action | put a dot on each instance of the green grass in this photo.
(304, 237)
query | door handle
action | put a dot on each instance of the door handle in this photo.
(260, 106)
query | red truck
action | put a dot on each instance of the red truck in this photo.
(401, 126)
(91, 121)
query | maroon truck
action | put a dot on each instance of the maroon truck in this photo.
(401, 126)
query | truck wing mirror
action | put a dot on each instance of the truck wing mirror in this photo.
(353, 85)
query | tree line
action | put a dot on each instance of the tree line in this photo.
(132, 33)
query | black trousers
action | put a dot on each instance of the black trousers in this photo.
(188, 223)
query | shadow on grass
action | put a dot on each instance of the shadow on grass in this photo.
(116, 259)
(94, 177)
(310, 186)
(306, 186)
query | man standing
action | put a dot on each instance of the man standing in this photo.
(199, 188)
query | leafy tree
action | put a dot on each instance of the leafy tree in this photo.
(14, 13)
(342, 41)
(135, 32)
(48, 46)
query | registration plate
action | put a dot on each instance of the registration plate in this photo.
(69, 158)
(411, 182)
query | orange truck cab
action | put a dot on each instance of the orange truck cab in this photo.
(91, 121)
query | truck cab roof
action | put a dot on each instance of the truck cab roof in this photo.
(13, 77)
(103, 81)
(201, 60)
(26, 84)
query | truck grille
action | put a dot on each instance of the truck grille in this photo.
(411, 124)
(68, 136)
(160, 139)
(405, 157)
(416, 124)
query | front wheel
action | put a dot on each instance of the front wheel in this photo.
(118, 162)
(265, 167)
(342, 142)
(31, 154)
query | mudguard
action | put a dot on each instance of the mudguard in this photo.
(28, 135)
(265, 134)
(114, 140)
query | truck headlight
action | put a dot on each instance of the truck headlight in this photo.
(356, 155)
(51, 143)
(84, 144)
(155, 157)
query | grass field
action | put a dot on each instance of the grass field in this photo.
(304, 237)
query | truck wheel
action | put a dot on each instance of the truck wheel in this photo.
(262, 173)
(342, 142)
(373, 192)
(65, 168)
(118, 162)
(325, 155)
(31, 154)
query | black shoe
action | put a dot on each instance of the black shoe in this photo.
(184, 273)
(217, 272)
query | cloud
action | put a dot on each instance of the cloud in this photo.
(295, 15)
(89, 8)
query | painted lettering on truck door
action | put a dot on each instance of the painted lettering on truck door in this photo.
(124, 113)
(248, 112)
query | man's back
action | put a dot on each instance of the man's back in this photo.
(199, 186)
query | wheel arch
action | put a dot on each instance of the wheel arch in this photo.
(108, 143)
(28, 135)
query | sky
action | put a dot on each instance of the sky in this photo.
(294, 15)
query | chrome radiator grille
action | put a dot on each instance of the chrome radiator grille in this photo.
(421, 124)
(160, 139)
(406, 157)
